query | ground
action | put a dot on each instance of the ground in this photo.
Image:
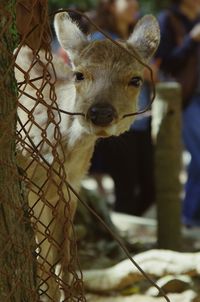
(114, 279)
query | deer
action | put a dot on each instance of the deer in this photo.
(103, 82)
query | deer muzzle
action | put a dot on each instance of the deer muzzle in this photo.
(101, 114)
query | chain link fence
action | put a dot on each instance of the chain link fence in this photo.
(41, 158)
(36, 198)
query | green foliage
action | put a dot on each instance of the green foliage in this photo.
(147, 6)
(78, 4)
(154, 6)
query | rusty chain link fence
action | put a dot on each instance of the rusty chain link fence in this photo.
(33, 165)
(41, 157)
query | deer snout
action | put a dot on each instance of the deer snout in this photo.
(101, 114)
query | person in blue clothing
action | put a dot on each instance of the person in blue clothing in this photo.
(129, 158)
(116, 17)
(179, 53)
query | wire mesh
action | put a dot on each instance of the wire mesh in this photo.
(41, 156)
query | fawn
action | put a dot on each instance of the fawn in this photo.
(103, 83)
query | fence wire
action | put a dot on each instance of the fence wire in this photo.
(54, 272)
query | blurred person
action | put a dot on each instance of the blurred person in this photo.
(179, 53)
(116, 17)
(128, 159)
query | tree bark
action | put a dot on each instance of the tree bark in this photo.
(167, 108)
(33, 23)
(17, 243)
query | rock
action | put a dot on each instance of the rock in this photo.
(156, 263)
(171, 284)
(188, 296)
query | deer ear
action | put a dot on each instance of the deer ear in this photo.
(69, 35)
(146, 37)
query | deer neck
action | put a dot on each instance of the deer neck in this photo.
(79, 147)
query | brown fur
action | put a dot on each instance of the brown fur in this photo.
(108, 71)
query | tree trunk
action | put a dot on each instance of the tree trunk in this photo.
(167, 119)
(17, 244)
(33, 14)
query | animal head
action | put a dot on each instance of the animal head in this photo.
(107, 79)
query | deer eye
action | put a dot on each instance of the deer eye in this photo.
(79, 76)
(136, 82)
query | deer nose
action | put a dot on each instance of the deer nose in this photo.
(101, 114)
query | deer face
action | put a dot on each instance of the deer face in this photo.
(107, 79)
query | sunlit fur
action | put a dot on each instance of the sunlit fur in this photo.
(107, 70)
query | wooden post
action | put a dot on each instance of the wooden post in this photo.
(33, 23)
(17, 243)
(167, 129)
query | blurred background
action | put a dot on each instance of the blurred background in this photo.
(154, 177)
(146, 6)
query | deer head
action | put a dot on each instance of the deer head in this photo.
(107, 79)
